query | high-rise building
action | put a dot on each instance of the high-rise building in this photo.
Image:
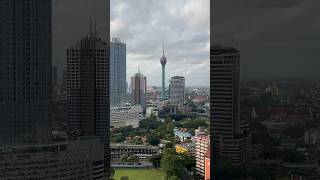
(87, 88)
(54, 77)
(202, 145)
(139, 89)
(163, 61)
(64, 80)
(229, 133)
(25, 71)
(177, 90)
(118, 87)
(75, 159)
(207, 165)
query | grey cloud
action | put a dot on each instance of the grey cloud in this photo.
(275, 37)
(145, 24)
(71, 21)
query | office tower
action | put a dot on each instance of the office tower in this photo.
(74, 159)
(54, 77)
(177, 90)
(202, 146)
(117, 72)
(229, 132)
(87, 88)
(138, 89)
(25, 71)
(64, 80)
(163, 61)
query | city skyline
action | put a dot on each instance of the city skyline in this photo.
(183, 28)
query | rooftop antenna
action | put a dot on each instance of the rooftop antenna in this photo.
(95, 28)
(90, 26)
(163, 47)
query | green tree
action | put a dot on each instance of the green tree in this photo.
(124, 158)
(195, 123)
(155, 160)
(173, 165)
(118, 138)
(133, 159)
(153, 140)
(111, 173)
(189, 161)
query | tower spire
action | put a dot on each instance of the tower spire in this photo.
(95, 28)
(163, 48)
(90, 26)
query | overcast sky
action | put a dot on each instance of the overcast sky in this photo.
(183, 25)
(276, 38)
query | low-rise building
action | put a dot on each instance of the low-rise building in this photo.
(142, 151)
(152, 112)
(185, 148)
(181, 135)
(77, 159)
(126, 116)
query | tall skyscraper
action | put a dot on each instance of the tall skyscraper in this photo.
(229, 132)
(139, 89)
(117, 72)
(87, 88)
(64, 80)
(163, 61)
(25, 71)
(54, 77)
(177, 90)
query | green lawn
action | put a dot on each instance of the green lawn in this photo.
(139, 174)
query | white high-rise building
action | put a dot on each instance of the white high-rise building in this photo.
(177, 90)
(118, 83)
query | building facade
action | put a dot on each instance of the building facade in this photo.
(142, 151)
(207, 165)
(177, 90)
(78, 159)
(118, 83)
(88, 109)
(138, 90)
(202, 146)
(25, 71)
(229, 133)
(126, 116)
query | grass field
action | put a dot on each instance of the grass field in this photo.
(139, 174)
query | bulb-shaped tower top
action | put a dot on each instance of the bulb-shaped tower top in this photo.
(163, 59)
